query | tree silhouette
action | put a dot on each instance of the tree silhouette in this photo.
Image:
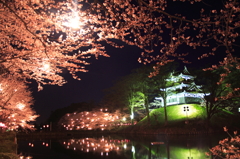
(222, 95)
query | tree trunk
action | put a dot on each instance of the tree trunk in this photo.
(209, 107)
(150, 151)
(132, 118)
(208, 121)
(147, 109)
(165, 111)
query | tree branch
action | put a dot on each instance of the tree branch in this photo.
(25, 25)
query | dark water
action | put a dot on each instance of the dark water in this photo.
(119, 147)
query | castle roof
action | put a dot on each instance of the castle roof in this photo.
(185, 71)
(192, 87)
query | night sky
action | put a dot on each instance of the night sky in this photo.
(102, 74)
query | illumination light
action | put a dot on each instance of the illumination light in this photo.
(45, 67)
(3, 125)
(132, 116)
(20, 106)
(73, 22)
(133, 149)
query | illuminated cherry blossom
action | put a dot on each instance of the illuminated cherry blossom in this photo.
(15, 104)
(42, 38)
(92, 120)
(102, 145)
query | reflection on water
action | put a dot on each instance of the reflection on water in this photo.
(101, 145)
(116, 147)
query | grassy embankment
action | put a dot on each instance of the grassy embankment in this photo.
(8, 145)
(177, 118)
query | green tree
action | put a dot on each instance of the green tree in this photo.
(131, 91)
(164, 80)
(223, 95)
(124, 94)
(114, 96)
(145, 86)
(135, 99)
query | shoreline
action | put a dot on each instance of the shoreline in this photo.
(125, 131)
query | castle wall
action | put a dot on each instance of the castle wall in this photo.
(192, 100)
(183, 100)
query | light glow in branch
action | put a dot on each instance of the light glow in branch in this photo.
(20, 106)
(73, 22)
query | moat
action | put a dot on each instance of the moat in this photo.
(114, 146)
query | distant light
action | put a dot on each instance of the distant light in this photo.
(133, 149)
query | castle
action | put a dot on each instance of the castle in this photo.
(183, 91)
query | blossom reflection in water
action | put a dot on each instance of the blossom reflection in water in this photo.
(99, 145)
(118, 147)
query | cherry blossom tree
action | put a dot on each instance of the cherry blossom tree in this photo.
(227, 148)
(169, 27)
(15, 104)
(41, 38)
(92, 120)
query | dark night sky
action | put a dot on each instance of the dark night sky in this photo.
(102, 73)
